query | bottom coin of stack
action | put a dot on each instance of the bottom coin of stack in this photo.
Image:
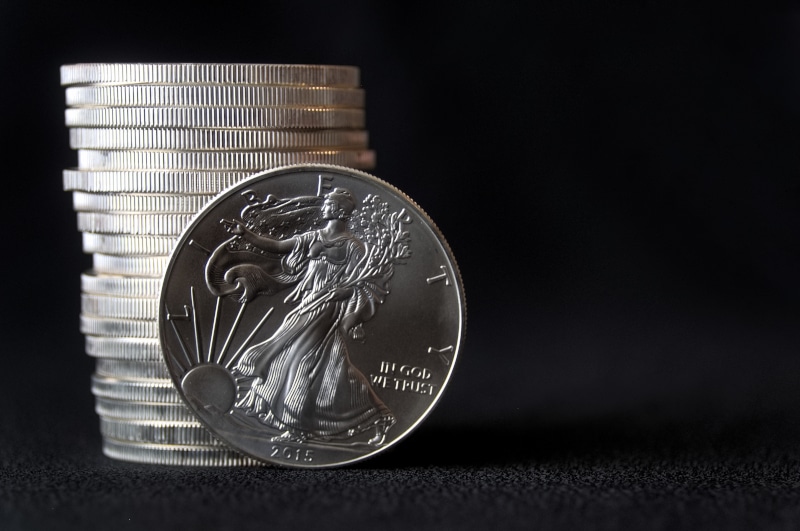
(142, 417)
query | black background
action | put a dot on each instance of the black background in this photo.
(619, 185)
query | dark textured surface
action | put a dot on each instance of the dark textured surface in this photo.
(620, 187)
(631, 472)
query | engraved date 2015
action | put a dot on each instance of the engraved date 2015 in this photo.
(292, 454)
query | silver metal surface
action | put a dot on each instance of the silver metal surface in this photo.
(218, 160)
(311, 316)
(137, 266)
(130, 410)
(124, 348)
(175, 455)
(118, 285)
(202, 73)
(128, 244)
(118, 307)
(131, 369)
(155, 143)
(128, 223)
(216, 139)
(187, 433)
(106, 327)
(213, 96)
(165, 182)
(221, 117)
(139, 203)
(156, 390)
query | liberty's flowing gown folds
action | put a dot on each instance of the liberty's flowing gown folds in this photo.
(301, 379)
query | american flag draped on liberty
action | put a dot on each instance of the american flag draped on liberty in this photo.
(336, 262)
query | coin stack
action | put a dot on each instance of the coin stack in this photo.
(155, 143)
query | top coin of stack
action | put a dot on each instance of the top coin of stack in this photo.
(155, 143)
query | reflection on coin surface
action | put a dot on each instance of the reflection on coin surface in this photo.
(311, 316)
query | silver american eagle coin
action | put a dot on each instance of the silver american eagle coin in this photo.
(311, 316)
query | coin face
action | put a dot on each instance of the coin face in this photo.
(311, 316)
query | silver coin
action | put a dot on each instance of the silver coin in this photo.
(106, 327)
(218, 160)
(140, 203)
(118, 307)
(156, 390)
(216, 117)
(128, 223)
(137, 266)
(175, 455)
(128, 244)
(189, 433)
(213, 96)
(167, 182)
(202, 73)
(124, 348)
(128, 410)
(216, 139)
(315, 321)
(117, 285)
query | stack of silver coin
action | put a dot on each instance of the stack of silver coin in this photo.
(155, 143)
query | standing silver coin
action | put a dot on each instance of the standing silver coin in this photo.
(311, 316)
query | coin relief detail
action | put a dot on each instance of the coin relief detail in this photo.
(311, 316)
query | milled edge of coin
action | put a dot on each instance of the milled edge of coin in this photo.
(219, 160)
(118, 307)
(205, 73)
(139, 203)
(138, 266)
(134, 224)
(106, 327)
(175, 455)
(155, 390)
(144, 181)
(129, 410)
(122, 286)
(124, 348)
(131, 369)
(216, 117)
(170, 139)
(434, 229)
(213, 96)
(183, 433)
(128, 244)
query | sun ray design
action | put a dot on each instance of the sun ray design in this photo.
(249, 338)
(197, 339)
(171, 317)
(197, 357)
(212, 342)
(231, 333)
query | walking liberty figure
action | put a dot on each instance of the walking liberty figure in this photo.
(300, 381)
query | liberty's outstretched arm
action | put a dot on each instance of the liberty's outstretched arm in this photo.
(262, 242)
